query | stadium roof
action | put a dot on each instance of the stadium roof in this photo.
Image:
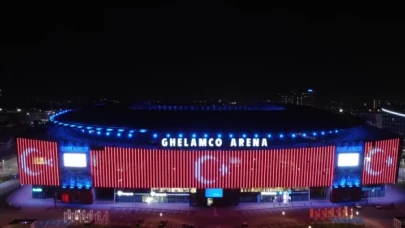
(209, 117)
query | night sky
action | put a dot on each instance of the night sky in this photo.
(183, 51)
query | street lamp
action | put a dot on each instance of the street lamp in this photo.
(357, 213)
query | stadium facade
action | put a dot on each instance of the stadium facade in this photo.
(207, 155)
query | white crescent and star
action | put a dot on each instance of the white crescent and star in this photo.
(200, 161)
(369, 158)
(24, 164)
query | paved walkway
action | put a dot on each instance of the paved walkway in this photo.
(260, 213)
(9, 186)
(22, 197)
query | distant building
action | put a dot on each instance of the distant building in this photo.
(376, 104)
(373, 119)
(393, 120)
(288, 98)
(306, 98)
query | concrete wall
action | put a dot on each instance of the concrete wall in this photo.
(9, 166)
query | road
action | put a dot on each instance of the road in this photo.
(256, 215)
(207, 217)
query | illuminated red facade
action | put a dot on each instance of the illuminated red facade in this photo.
(380, 161)
(157, 168)
(38, 162)
(165, 168)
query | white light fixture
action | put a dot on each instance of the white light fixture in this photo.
(393, 113)
(121, 193)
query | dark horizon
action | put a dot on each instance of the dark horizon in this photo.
(221, 50)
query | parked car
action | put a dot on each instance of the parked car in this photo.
(357, 206)
(377, 206)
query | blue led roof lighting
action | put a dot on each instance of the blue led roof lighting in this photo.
(115, 131)
(265, 107)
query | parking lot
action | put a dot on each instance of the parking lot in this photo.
(268, 211)
(54, 223)
(290, 223)
(61, 223)
(286, 210)
(280, 224)
(131, 210)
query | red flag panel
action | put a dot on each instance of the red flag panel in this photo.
(380, 161)
(144, 168)
(38, 162)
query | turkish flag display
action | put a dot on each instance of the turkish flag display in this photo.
(380, 161)
(38, 162)
(165, 168)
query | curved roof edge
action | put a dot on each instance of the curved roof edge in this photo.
(392, 112)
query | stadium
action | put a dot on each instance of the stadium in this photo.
(207, 155)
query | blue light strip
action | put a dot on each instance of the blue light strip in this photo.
(205, 107)
(121, 132)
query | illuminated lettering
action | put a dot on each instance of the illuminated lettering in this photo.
(241, 142)
(82, 149)
(164, 142)
(255, 142)
(193, 143)
(202, 142)
(172, 142)
(218, 142)
(121, 193)
(264, 142)
(248, 142)
(213, 142)
(233, 143)
(349, 148)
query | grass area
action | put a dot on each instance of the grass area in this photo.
(4, 197)
(6, 178)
